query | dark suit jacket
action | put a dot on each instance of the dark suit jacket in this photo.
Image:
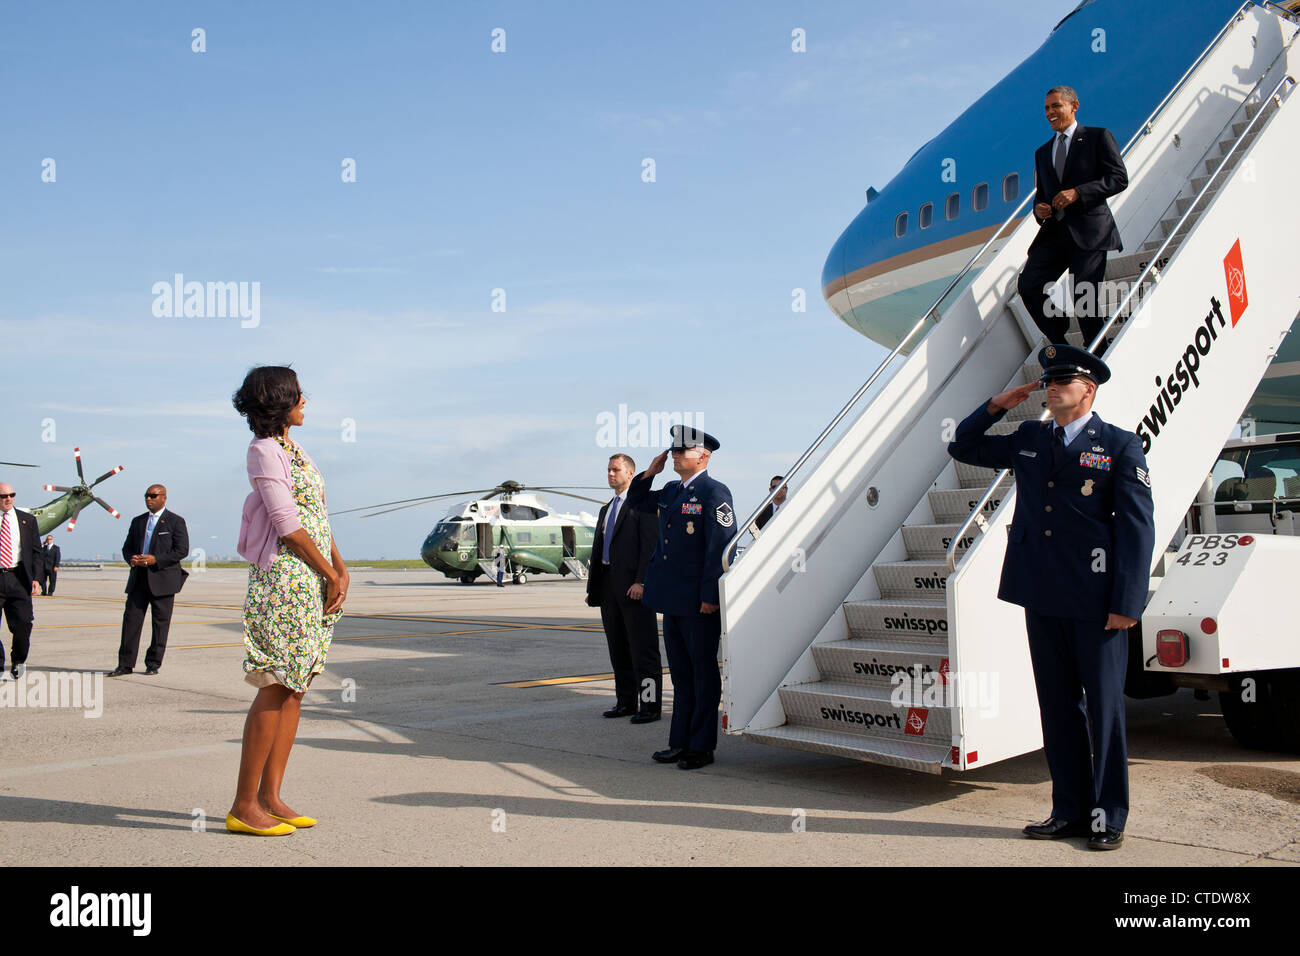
(52, 557)
(630, 548)
(31, 556)
(1081, 540)
(170, 545)
(1094, 169)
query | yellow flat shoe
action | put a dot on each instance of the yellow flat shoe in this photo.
(235, 825)
(299, 823)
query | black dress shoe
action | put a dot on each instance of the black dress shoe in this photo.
(671, 755)
(150, 671)
(1054, 828)
(645, 718)
(119, 671)
(619, 711)
(694, 759)
(1112, 839)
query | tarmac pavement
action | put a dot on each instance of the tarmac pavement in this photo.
(414, 748)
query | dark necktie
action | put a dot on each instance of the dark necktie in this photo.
(1060, 157)
(610, 517)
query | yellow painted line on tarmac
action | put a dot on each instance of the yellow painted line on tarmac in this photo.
(52, 627)
(362, 637)
(550, 681)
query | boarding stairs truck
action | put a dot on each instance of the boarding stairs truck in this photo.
(862, 620)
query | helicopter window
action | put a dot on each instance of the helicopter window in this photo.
(524, 537)
(925, 218)
(979, 197)
(900, 225)
(1010, 187)
(952, 206)
(521, 512)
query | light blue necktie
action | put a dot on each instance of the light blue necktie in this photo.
(148, 532)
(610, 517)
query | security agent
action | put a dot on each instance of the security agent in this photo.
(696, 522)
(1078, 561)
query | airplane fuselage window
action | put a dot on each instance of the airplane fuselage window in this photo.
(979, 197)
(926, 216)
(900, 225)
(1010, 187)
(952, 206)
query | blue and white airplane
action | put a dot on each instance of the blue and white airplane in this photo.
(918, 232)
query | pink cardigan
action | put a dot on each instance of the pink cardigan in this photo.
(270, 511)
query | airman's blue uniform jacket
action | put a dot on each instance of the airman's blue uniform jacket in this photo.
(695, 525)
(1080, 543)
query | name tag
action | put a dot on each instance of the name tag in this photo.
(1089, 459)
(1029, 454)
(693, 508)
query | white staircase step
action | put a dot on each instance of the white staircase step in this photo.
(956, 504)
(922, 620)
(488, 568)
(973, 476)
(930, 541)
(908, 754)
(858, 661)
(577, 567)
(864, 711)
(909, 579)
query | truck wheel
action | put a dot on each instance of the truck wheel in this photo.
(1271, 721)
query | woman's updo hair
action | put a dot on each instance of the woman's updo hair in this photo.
(268, 395)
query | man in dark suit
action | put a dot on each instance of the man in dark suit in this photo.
(50, 563)
(1075, 173)
(1078, 561)
(696, 522)
(770, 511)
(21, 563)
(154, 548)
(620, 555)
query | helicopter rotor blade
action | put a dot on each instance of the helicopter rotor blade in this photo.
(57, 488)
(398, 508)
(107, 474)
(17, 464)
(76, 453)
(556, 491)
(72, 520)
(107, 507)
(402, 501)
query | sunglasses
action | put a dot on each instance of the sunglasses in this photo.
(154, 495)
(1057, 380)
(6, 496)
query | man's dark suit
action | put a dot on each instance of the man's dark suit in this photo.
(16, 587)
(154, 587)
(1078, 237)
(1078, 549)
(630, 627)
(52, 556)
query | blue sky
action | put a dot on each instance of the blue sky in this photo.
(475, 171)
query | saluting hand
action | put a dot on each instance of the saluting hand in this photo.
(1011, 397)
(657, 465)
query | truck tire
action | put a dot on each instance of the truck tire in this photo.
(1272, 720)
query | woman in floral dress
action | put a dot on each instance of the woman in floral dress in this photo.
(295, 595)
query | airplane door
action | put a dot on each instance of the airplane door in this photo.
(570, 541)
(485, 547)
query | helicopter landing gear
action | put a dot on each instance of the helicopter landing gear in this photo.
(520, 578)
(466, 578)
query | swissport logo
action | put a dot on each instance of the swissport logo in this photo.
(1235, 273)
(1191, 364)
(916, 718)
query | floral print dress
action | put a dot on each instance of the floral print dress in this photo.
(286, 632)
